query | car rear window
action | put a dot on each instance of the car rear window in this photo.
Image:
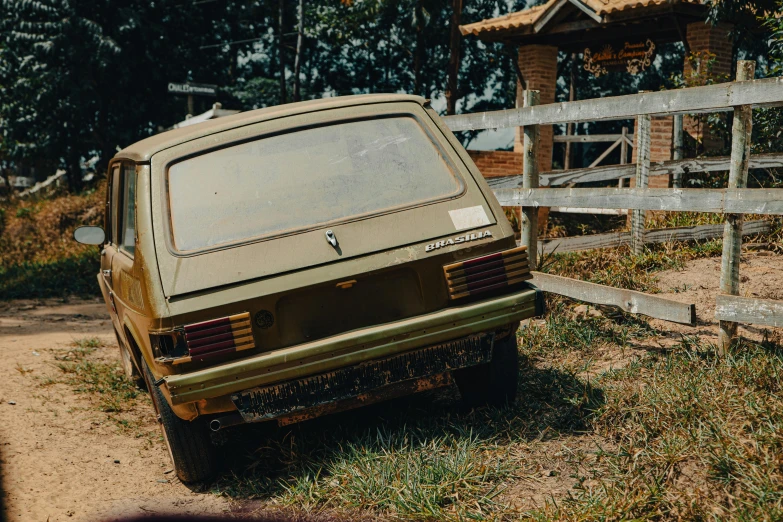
(303, 179)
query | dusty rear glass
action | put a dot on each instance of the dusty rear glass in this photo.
(303, 179)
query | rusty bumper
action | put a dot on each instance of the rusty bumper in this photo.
(404, 372)
(353, 348)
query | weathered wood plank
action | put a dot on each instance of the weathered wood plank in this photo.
(556, 178)
(678, 150)
(590, 138)
(605, 153)
(604, 211)
(738, 179)
(701, 232)
(730, 201)
(590, 242)
(732, 308)
(627, 300)
(658, 235)
(711, 98)
(642, 179)
(530, 144)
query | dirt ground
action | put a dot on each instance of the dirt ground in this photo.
(63, 459)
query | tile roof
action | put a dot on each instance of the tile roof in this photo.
(530, 16)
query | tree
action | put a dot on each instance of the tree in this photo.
(81, 78)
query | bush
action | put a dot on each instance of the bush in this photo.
(75, 275)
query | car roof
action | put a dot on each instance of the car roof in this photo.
(142, 151)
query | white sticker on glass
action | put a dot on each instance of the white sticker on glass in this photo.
(470, 217)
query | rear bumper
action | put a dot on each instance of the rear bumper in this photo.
(355, 347)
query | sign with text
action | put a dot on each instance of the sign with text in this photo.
(631, 57)
(193, 89)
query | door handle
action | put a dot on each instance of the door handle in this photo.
(106, 273)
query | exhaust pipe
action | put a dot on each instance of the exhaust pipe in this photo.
(224, 422)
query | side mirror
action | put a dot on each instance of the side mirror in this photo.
(89, 235)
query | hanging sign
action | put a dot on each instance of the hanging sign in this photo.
(197, 89)
(631, 57)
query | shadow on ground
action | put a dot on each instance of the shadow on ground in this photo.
(356, 454)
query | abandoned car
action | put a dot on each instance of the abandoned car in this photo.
(292, 261)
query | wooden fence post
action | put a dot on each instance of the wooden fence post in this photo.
(642, 179)
(623, 154)
(738, 178)
(678, 152)
(530, 180)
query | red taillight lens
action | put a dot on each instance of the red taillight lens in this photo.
(218, 337)
(486, 273)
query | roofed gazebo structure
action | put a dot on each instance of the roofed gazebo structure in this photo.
(582, 26)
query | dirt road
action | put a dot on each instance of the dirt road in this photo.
(62, 457)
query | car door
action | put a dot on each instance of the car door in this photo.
(110, 247)
(124, 283)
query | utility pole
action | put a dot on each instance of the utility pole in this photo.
(280, 55)
(452, 94)
(298, 58)
(419, 51)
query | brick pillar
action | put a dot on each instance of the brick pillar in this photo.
(710, 61)
(661, 143)
(538, 64)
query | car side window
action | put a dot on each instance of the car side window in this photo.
(127, 239)
(111, 210)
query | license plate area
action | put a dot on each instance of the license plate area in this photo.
(269, 402)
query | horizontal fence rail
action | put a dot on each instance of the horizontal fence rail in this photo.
(734, 201)
(555, 178)
(627, 300)
(592, 138)
(660, 235)
(749, 310)
(712, 98)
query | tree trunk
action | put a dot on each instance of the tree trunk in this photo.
(298, 59)
(419, 51)
(280, 49)
(452, 95)
(75, 183)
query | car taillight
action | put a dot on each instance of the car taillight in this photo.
(487, 273)
(218, 337)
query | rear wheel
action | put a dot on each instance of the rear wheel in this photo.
(188, 442)
(493, 383)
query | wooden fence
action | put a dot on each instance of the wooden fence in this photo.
(622, 140)
(740, 96)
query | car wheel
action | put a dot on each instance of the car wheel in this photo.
(188, 442)
(493, 383)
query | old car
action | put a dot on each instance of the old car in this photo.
(302, 259)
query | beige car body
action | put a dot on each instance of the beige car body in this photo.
(381, 294)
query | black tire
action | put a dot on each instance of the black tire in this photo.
(493, 383)
(188, 442)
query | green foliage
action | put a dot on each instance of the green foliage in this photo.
(59, 278)
(80, 78)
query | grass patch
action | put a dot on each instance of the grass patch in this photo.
(60, 278)
(418, 458)
(105, 382)
(563, 331)
(698, 436)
